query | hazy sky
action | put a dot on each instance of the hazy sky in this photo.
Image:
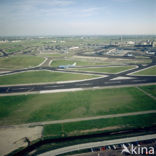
(76, 17)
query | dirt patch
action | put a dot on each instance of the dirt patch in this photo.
(93, 130)
(12, 138)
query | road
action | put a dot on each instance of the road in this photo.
(97, 144)
(46, 62)
(110, 80)
(4, 54)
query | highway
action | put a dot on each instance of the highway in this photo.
(97, 144)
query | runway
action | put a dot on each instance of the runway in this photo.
(110, 80)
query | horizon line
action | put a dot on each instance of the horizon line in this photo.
(77, 35)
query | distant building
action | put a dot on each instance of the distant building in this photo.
(73, 48)
(111, 51)
(130, 55)
(150, 52)
(144, 43)
(130, 42)
(4, 41)
(154, 44)
(15, 41)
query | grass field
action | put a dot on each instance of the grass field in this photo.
(44, 107)
(150, 89)
(107, 69)
(41, 76)
(17, 62)
(115, 61)
(137, 61)
(10, 47)
(91, 61)
(100, 125)
(57, 63)
(149, 71)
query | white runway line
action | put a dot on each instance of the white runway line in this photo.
(60, 90)
(122, 78)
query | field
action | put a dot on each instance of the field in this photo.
(18, 62)
(100, 125)
(12, 47)
(133, 61)
(56, 114)
(53, 55)
(149, 71)
(40, 77)
(57, 106)
(57, 63)
(107, 69)
(150, 89)
(91, 61)
(35, 114)
(113, 61)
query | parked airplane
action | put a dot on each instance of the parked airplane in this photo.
(67, 66)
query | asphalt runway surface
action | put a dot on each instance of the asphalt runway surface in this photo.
(99, 82)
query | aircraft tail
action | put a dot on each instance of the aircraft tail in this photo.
(74, 64)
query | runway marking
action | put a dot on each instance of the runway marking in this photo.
(122, 78)
(86, 84)
(7, 89)
(96, 87)
(61, 90)
(112, 82)
(30, 89)
(51, 86)
(18, 88)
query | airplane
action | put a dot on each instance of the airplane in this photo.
(67, 66)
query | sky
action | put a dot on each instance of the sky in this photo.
(77, 17)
